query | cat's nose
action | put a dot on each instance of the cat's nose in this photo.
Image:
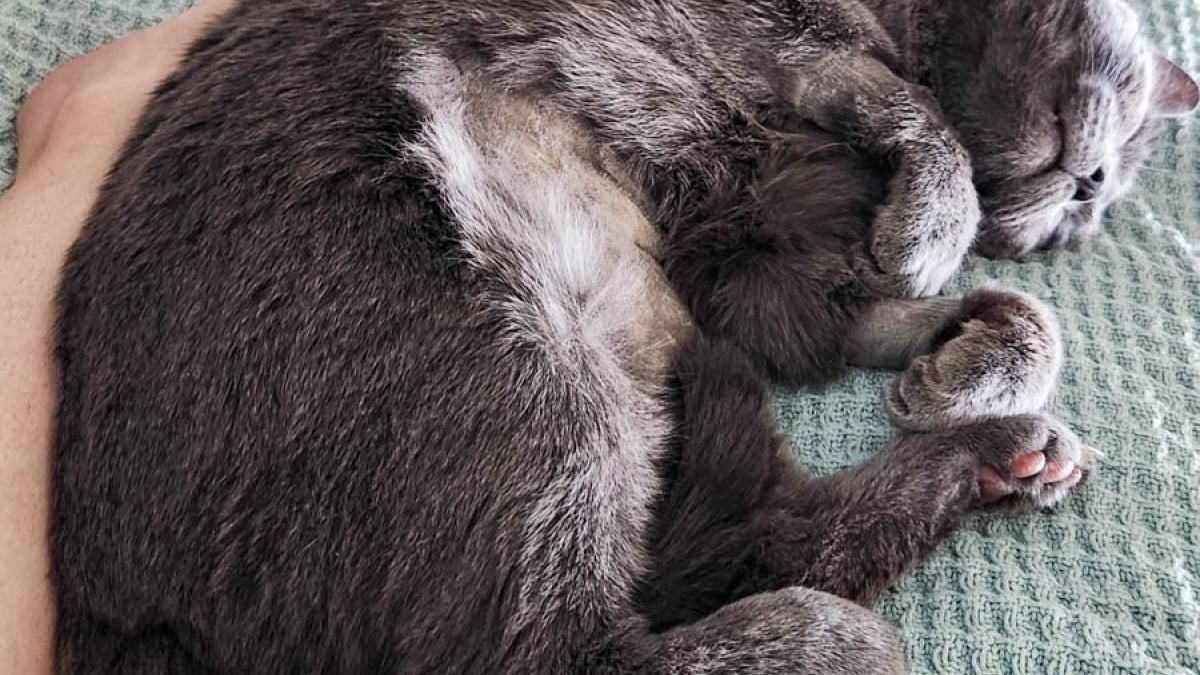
(1086, 188)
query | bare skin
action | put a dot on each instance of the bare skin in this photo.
(69, 130)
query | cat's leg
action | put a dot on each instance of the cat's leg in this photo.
(793, 630)
(789, 313)
(740, 518)
(773, 274)
(889, 333)
(1000, 356)
(931, 214)
(854, 533)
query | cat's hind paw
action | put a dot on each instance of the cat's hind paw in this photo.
(1001, 358)
(1031, 461)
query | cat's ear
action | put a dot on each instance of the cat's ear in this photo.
(1175, 92)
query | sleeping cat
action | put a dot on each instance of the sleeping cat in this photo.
(433, 337)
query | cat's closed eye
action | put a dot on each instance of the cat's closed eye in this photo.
(1057, 148)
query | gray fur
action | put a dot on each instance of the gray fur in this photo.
(766, 632)
(1045, 95)
(1004, 359)
(434, 337)
(929, 220)
(890, 333)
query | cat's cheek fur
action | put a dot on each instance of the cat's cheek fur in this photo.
(1023, 215)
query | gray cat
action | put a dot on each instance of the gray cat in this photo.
(434, 337)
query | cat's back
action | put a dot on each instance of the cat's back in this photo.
(320, 364)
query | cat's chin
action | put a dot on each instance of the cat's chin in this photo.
(1082, 221)
(1015, 241)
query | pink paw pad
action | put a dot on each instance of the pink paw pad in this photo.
(1058, 471)
(1028, 465)
(993, 487)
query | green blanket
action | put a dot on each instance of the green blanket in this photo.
(1108, 584)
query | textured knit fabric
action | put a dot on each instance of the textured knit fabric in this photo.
(1108, 584)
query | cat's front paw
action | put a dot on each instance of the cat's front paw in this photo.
(1029, 461)
(1002, 358)
(925, 228)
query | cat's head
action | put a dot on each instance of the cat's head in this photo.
(1057, 101)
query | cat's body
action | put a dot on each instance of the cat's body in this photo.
(428, 337)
